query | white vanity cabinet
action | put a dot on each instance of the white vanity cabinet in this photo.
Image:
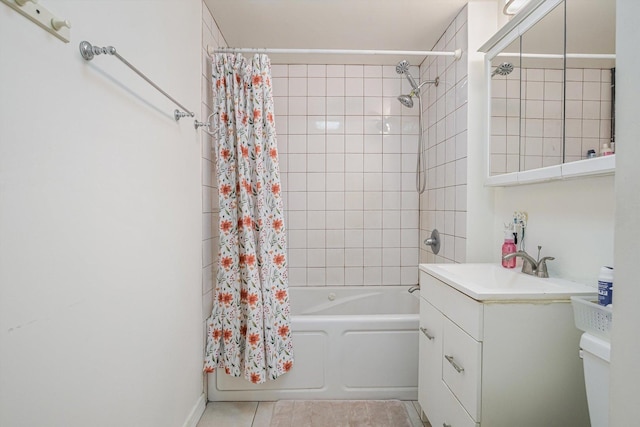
(498, 363)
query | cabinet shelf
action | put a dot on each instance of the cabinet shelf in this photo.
(598, 166)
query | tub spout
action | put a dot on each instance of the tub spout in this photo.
(414, 288)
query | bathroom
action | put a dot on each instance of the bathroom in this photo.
(106, 207)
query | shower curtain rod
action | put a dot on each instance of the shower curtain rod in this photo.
(457, 54)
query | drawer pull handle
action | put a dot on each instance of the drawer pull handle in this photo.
(426, 333)
(457, 367)
(446, 425)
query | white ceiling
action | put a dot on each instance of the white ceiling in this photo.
(335, 24)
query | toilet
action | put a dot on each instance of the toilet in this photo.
(595, 352)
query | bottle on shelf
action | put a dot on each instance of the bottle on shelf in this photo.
(605, 286)
(606, 150)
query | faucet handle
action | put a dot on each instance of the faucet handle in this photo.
(542, 267)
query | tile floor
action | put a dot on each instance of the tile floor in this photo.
(258, 414)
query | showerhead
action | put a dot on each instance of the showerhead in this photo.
(503, 69)
(406, 100)
(403, 68)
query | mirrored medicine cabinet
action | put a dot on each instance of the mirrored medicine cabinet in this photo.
(551, 78)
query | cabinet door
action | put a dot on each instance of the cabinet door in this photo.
(430, 387)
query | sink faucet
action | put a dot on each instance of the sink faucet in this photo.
(530, 265)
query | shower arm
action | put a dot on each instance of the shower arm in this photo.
(436, 81)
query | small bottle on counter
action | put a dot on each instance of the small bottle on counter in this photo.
(605, 286)
(606, 150)
(508, 247)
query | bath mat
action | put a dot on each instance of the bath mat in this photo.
(339, 413)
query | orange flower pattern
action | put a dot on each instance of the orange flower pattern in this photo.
(225, 226)
(249, 331)
(279, 259)
(281, 294)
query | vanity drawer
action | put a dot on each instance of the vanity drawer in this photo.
(462, 367)
(461, 309)
(454, 415)
(448, 412)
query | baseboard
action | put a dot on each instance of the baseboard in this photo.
(196, 412)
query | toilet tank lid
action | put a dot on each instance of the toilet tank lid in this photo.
(596, 346)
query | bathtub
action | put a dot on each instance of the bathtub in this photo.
(349, 343)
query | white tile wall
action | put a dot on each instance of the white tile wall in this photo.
(443, 204)
(210, 36)
(347, 155)
(587, 124)
(588, 111)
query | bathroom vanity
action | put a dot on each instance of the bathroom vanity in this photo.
(499, 348)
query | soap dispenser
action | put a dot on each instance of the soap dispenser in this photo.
(508, 247)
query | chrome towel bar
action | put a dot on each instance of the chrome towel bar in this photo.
(88, 51)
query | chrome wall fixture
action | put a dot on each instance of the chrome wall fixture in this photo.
(434, 241)
(207, 125)
(407, 101)
(88, 51)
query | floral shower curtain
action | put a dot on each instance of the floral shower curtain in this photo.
(249, 331)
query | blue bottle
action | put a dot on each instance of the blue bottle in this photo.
(605, 286)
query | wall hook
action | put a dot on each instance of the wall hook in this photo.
(42, 17)
(58, 23)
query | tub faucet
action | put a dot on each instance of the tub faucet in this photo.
(414, 288)
(531, 266)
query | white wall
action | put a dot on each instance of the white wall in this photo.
(479, 198)
(572, 221)
(625, 345)
(100, 219)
